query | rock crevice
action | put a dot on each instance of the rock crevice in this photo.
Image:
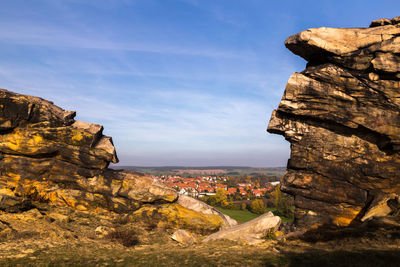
(342, 118)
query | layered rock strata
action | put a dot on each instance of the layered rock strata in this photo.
(341, 116)
(47, 156)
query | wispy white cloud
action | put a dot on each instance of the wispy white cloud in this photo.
(58, 37)
(191, 120)
(163, 120)
(162, 101)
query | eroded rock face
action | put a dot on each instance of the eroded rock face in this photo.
(48, 156)
(201, 207)
(342, 118)
(173, 215)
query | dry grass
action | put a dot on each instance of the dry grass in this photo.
(156, 248)
(43, 242)
(128, 238)
(216, 254)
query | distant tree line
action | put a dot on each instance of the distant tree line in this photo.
(258, 178)
(280, 203)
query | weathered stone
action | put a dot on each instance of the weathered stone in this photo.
(386, 62)
(199, 206)
(55, 216)
(251, 232)
(144, 189)
(16, 110)
(46, 156)
(105, 143)
(343, 122)
(102, 231)
(177, 217)
(184, 237)
(14, 204)
(95, 129)
(379, 207)
(63, 143)
(321, 44)
(5, 230)
(395, 20)
(373, 76)
(380, 22)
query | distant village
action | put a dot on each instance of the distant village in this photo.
(201, 186)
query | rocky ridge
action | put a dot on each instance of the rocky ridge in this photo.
(48, 158)
(341, 116)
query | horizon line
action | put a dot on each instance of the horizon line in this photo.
(186, 166)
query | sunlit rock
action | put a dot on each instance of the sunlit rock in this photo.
(48, 157)
(342, 117)
(251, 232)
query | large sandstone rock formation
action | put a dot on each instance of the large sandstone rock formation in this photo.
(251, 232)
(200, 206)
(342, 118)
(47, 156)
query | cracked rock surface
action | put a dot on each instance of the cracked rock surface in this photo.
(48, 158)
(341, 116)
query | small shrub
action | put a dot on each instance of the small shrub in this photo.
(128, 238)
(285, 208)
(270, 235)
(151, 226)
(122, 219)
(257, 206)
(25, 234)
(31, 193)
(283, 204)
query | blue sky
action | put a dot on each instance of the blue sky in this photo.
(174, 82)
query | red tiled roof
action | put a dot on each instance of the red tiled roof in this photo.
(257, 192)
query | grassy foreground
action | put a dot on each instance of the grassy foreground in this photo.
(41, 242)
(221, 253)
(216, 254)
(361, 246)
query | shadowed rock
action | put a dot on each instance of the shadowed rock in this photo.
(342, 118)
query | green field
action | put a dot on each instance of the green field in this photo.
(244, 215)
(239, 215)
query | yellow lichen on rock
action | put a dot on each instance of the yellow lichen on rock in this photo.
(175, 216)
(341, 116)
(77, 137)
(347, 217)
(68, 143)
(49, 159)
